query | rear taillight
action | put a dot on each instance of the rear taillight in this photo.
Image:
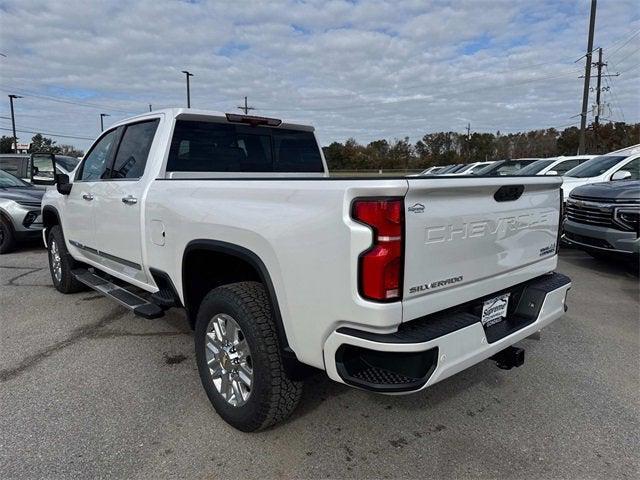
(380, 267)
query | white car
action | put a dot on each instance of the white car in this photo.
(281, 267)
(605, 168)
(471, 168)
(428, 171)
(553, 166)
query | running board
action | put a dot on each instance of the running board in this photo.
(138, 305)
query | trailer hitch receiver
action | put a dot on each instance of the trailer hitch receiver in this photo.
(509, 357)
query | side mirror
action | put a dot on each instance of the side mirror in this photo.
(43, 168)
(621, 175)
(551, 172)
(63, 185)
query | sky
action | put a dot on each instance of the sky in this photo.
(362, 69)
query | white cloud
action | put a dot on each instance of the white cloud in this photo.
(373, 69)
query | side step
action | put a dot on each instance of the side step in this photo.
(133, 302)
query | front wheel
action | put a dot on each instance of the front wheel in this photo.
(7, 237)
(239, 358)
(61, 263)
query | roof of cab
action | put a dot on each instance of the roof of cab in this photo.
(193, 114)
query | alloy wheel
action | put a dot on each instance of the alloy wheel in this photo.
(229, 359)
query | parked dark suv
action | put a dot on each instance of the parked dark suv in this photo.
(604, 218)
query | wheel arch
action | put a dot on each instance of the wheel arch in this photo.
(50, 218)
(247, 265)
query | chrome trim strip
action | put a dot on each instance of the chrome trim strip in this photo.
(108, 256)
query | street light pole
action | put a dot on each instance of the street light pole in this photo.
(188, 74)
(102, 115)
(13, 122)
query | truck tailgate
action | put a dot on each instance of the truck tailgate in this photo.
(464, 236)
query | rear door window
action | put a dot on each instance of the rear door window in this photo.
(221, 147)
(133, 150)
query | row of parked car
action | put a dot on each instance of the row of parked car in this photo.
(602, 196)
(20, 202)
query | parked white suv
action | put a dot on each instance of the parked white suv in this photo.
(605, 168)
(282, 268)
(553, 166)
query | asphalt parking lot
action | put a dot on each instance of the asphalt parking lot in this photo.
(88, 390)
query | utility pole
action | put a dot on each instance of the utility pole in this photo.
(188, 74)
(468, 140)
(246, 107)
(599, 64)
(587, 77)
(102, 115)
(150, 108)
(13, 122)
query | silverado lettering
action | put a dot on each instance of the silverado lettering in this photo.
(437, 284)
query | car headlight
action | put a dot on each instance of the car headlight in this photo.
(30, 217)
(628, 218)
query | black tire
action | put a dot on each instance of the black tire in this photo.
(273, 394)
(67, 283)
(7, 237)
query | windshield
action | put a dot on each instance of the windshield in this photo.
(477, 168)
(7, 180)
(446, 169)
(595, 167)
(68, 163)
(534, 168)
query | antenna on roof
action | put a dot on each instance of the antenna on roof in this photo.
(246, 107)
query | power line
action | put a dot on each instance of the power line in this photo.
(37, 129)
(614, 96)
(625, 43)
(27, 93)
(51, 134)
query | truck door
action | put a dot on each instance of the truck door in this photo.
(78, 220)
(118, 202)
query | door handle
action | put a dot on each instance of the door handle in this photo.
(129, 200)
(87, 196)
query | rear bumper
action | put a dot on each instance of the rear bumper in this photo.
(435, 347)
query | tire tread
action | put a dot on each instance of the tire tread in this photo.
(284, 394)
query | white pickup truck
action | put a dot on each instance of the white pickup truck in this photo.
(389, 285)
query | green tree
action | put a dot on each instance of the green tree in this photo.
(39, 143)
(6, 144)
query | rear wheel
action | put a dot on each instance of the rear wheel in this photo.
(61, 263)
(239, 358)
(7, 237)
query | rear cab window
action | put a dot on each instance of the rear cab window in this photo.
(201, 146)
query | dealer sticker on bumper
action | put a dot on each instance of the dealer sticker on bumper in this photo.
(495, 309)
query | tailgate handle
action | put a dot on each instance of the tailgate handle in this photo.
(508, 193)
